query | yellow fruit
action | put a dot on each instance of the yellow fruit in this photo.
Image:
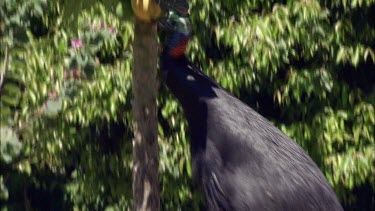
(146, 10)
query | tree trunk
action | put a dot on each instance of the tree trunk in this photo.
(145, 143)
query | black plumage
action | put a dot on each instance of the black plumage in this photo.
(241, 160)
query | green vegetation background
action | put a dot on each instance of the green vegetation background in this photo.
(66, 122)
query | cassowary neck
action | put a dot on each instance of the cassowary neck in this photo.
(187, 83)
(193, 90)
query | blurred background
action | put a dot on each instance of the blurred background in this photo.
(66, 121)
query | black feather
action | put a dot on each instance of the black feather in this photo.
(239, 158)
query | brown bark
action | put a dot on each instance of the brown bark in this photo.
(145, 145)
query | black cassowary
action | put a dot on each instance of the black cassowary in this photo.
(241, 161)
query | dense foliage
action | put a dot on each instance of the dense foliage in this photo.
(66, 122)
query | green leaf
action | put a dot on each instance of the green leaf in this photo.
(119, 10)
(355, 59)
(6, 116)
(10, 145)
(38, 9)
(189, 169)
(8, 100)
(12, 89)
(4, 193)
(340, 55)
(370, 52)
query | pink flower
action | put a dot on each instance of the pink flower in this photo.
(53, 95)
(66, 74)
(76, 43)
(75, 73)
(111, 29)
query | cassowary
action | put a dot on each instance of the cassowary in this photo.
(241, 161)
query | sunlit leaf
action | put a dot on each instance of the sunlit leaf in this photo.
(10, 145)
(53, 106)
